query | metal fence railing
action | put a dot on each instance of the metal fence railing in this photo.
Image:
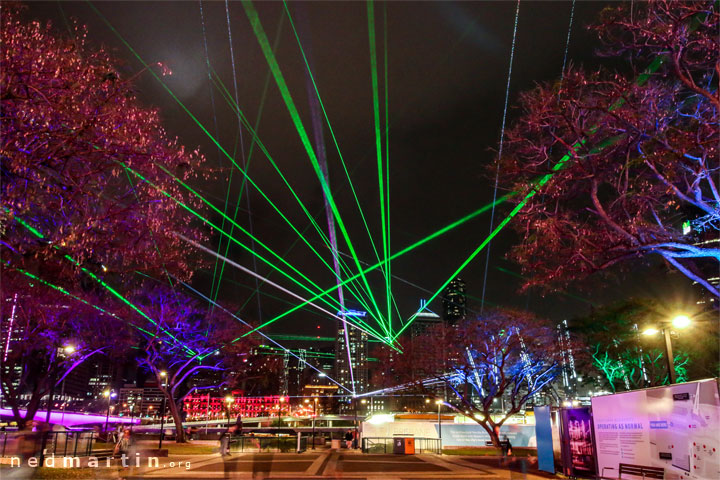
(68, 443)
(267, 443)
(387, 445)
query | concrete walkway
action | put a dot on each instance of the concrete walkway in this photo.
(329, 464)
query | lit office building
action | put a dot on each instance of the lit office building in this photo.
(454, 301)
(358, 355)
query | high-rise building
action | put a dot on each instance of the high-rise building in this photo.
(357, 341)
(144, 401)
(424, 319)
(454, 300)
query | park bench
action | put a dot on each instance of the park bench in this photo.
(639, 470)
(489, 443)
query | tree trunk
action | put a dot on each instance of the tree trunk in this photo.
(179, 431)
(490, 429)
(495, 438)
(32, 409)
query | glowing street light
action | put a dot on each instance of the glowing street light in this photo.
(69, 349)
(679, 322)
(109, 394)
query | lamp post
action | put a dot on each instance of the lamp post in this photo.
(69, 350)
(439, 404)
(315, 404)
(679, 322)
(132, 415)
(108, 394)
(163, 375)
(307, 400)
(228, 401)
(279, 419)
(357, 436)
(355, 410)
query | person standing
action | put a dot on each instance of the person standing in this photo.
(225, 443)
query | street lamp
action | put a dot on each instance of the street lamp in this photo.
(108, 394)
(439, 404)
(132, 414)
(163, 375)
(228, 400)
(679, 322)
(69, 350)
(315, 405)
(279, 419)
(307, 400)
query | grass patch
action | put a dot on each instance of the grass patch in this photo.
(489, 451)
(190, 449)
(103, 445)
(46, 473)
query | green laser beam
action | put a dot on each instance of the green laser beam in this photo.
(302, 133)
(405, 250)
(538, 185)
(82, 300)
(208, 222)
(105, 285)
(378, 147)
(343, 265)
(332, 134)
(388, 265)
(177, 100)
(642, 78)
(243, 230)
(258, 117)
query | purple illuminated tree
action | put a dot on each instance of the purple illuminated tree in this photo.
(501, 357)
(642, 178)
(84, 184)
(84, 163)
(45, 336)
(189, 348)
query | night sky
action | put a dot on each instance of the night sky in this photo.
(448, 65)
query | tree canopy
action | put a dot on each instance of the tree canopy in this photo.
(88, 200)
(503, 354)
(633, 154)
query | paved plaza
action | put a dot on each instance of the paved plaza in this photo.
(333, 464)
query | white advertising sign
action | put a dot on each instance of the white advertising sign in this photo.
(676, 428)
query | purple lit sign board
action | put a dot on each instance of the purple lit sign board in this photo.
(578, 450)
(71, 419)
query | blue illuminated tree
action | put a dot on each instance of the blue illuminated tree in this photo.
(503, 355)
